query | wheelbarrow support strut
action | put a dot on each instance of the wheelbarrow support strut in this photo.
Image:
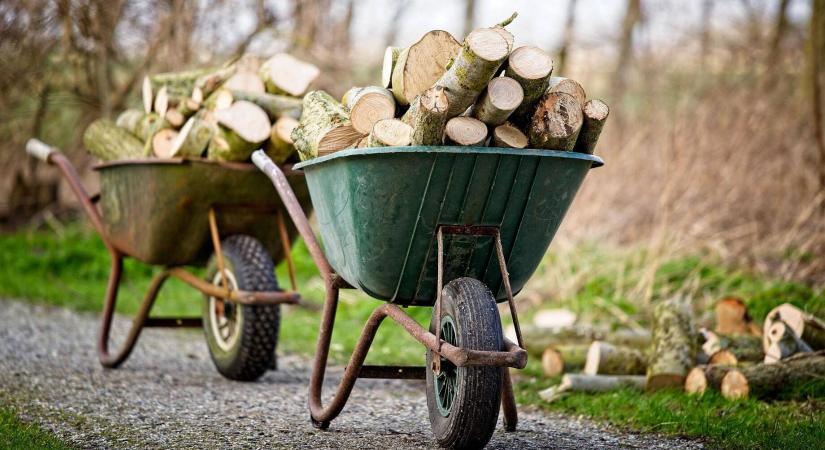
(513, 355)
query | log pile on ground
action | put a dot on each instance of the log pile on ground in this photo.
(478, 92)
(784, 359)
(221, 113)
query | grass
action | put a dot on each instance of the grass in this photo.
(70, 269)
(16, 434)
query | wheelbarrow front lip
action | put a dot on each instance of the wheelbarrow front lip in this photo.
(597, 162)
(243, 166)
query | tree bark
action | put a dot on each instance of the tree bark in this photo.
(556, 123)
(563, 358)
(673, 351)
(531, 67)
(428, 117)
(465, 131)
(594, 116)
(105, 140)
(624, 59)
(606, 359)
(794, 377)
(816, 66)
(508, 136)
(778, 33)
(324, 127)
(601, 383)
(421, 65)
(501, 97)
(477, 62)
(367, 106)
(276, 106)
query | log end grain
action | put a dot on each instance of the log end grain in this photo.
(247, 119)
(696, 382)
(419, 66)
(245, 81)
(556, 122)
(285, 74)
(369, 108)
(552, 362)
(735, 385)
(465, 131)
(390, 133)
(529, 63)
(508, 136)
(163, 143)
(567, 86)
(488, 44)
(723, 357)
(339, 138)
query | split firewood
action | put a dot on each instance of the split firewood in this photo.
(732, 317)
(700, 378)
(280, 146)
(428, 117)
(745, 347)
(556, 122)
(163, 143)
(723, 358)
(242, 128)
(367, 106)
(789, 378)
(220, 99)
(420, 65)
(563, 358)
(478, 61)
(531, 67)
(390, 133)
(285, 74)
(568, 86)
(805, 325)
(508, 136)
(192, 139)
(594, 114)
(465, 131)
(390, 58)
(128, 120)
(324, 127)
(148, 95)
(105, 140)
(276, 106)
(538, 338)
(784, 343)
(498, 101)
(606, 359)
(673, 351)
(245, 81)
(162, 101)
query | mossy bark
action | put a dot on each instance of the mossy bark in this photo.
(322, 115)
(193, 139)
(226, 145)
(276, 106)
(428, 117)
(105, 140)
(674, 344)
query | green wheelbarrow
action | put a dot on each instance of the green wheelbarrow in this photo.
(193, 212)
(455, 228)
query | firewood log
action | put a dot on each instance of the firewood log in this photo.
(367, 106)
(592, 384)
(105, 140)
(465, 131)
(390, 58)
(723, 358)
(783, 342)
(789, 378)
(508, 136)
(163, 142)
(148, 95)
(143, 126)
(568, 86)
(324, 127)
(220, 99)
(606, 359)
(745, 347)
(498, 101)
(390, 133)
(537, 338)
(806, 326)
(161, 101)
(594, 114)
(428, 117)
(208, 82)
(478, 61)
(419, 66)
(531, 67)
(673, 351)
(192, 138)
(702, 378)
(276, 106)
(563, 358)
(242, 128)
(285, 74)
(280, 146)
(556, 122)
(245, 81)
(174, 117)
(732, 317)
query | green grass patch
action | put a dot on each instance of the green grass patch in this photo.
(16, 434)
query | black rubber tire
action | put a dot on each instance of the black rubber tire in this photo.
(473, 414)
(253, 352)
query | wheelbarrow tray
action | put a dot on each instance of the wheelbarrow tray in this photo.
(378, 211)
(156, 210)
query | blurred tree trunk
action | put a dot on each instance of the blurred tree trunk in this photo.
(305, 16)
(816, 56)
(469, 15)
(567, 41)
(778, 33)
(632, 17)
(392, 34)
(707, 14)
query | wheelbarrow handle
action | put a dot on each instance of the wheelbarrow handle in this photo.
(39, 149)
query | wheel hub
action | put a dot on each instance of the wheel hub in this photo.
(446, 381)
(224, 314)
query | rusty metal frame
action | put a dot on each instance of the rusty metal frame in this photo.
(142, 319)
(513, 354)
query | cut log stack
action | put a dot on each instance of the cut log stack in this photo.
(477, 92)
(221, 113)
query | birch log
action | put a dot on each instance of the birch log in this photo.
(465, 131)
(607, 359)
(285, 74)
(594, 115)
(508, 136)
(105, 140)
(563, 358)
(242, 128)
(500, 98)
(276, 106)
(368, 105)
(556, 122)
(192, 138)
(390, 58)
(324, 127)
(390, 133)
(531, 67)
(428, 117)
(673, 351)
(419, 66)
(280, 146)
(477, 62)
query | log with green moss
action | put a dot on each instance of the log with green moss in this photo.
(531, 67)
(242, 128)
(280, 146)
(285, 74)
(673, 351)
(276, 106)
(109, 142)
(428, 117)
(193, 138)
(324, 127)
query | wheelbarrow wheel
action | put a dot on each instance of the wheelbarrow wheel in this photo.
(242, 338)
(464, 402)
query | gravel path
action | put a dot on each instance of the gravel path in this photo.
(168, 395)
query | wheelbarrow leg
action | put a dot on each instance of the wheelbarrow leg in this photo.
(508, 401)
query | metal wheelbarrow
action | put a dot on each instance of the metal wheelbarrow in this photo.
(177, 212)
(455, 228)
